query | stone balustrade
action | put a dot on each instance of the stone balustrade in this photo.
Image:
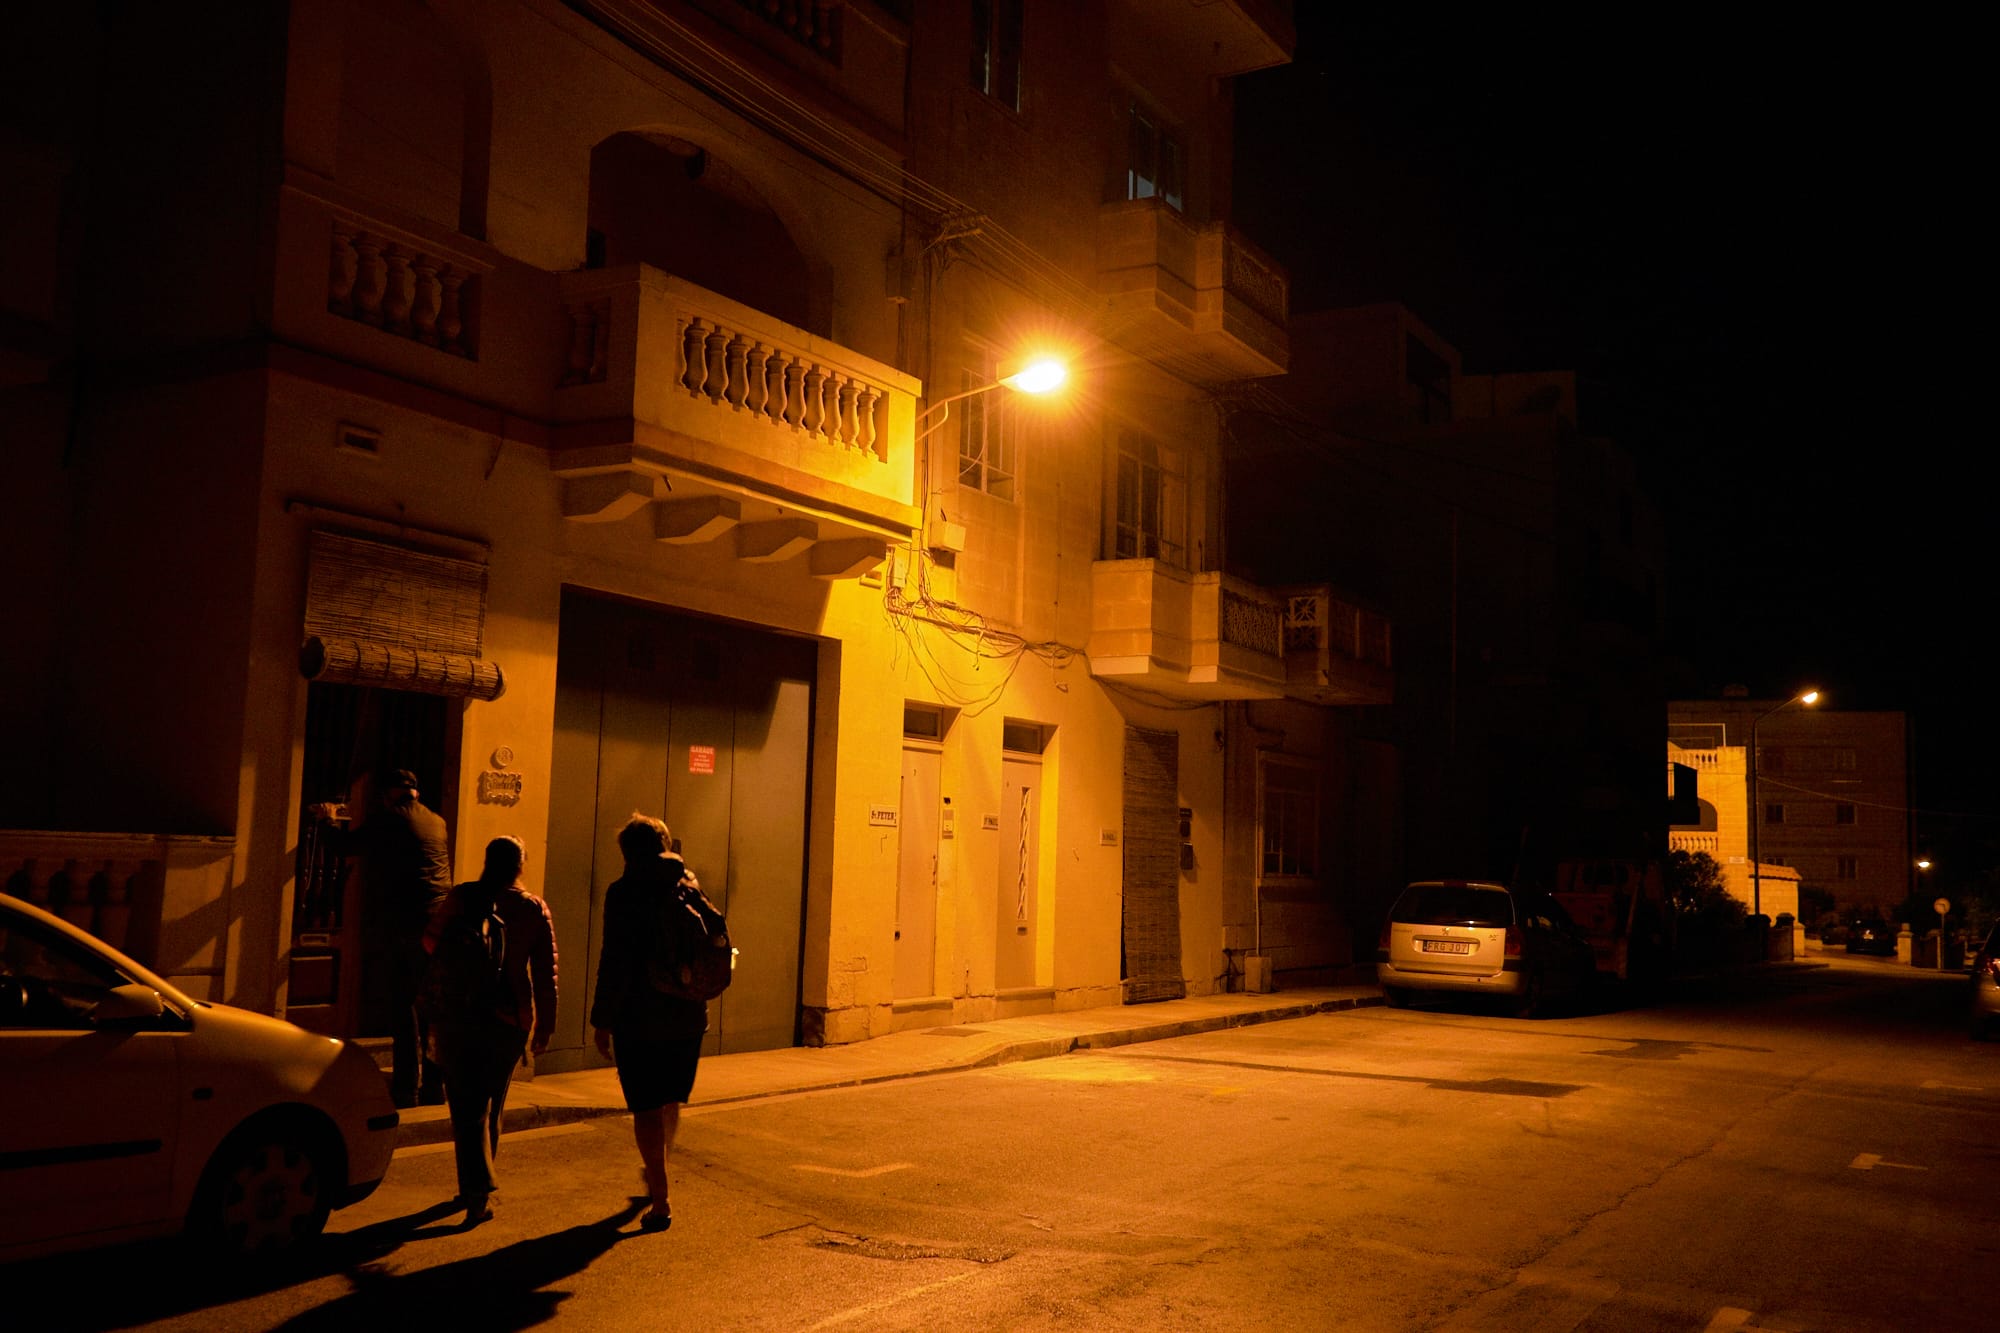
(396, 284)
(134, 891)
(1711, 843)
(726, 365)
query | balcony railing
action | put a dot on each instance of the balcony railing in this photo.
(1201, 299)
(1193, 636)
(667, 378)
(143, 894)
(1335, 652)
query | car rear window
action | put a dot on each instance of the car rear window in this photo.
(1453, 905)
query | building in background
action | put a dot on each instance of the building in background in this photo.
(598, 407)
(1832, 795)
(1519, 560)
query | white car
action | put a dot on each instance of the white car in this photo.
(129, 1110)
(1476, 937)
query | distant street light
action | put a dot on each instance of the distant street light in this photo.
(1809, 698)
(1940, 907)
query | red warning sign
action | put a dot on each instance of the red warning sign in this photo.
(701, 758)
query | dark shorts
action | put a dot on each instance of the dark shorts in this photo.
(654, 1073)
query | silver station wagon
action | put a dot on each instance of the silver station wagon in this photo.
(1476, 937)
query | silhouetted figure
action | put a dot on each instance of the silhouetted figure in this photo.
(491, 993)
(405, 868)
(654, 1038)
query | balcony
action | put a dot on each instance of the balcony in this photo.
(1190, 636)
(1335, 652)
(729, 424)
(1237, 36)
(1200, 300)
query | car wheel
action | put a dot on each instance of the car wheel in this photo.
(1534, 993)
(265, 1190)
(1395, 997)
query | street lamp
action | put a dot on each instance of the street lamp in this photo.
(1923, 869)
(1040, 376)
(1809, 698)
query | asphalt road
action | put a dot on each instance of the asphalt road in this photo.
(1802, 1150)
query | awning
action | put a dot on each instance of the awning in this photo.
(395, 667)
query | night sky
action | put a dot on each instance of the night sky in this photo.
(1754, 243)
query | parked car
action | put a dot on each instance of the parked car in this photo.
(129, 1109)
(1871, 935)
(1476, 937)
(1985, 998)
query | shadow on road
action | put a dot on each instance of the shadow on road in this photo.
(500, 1290)
(126, 1285)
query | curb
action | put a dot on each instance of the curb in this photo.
(437, 1129)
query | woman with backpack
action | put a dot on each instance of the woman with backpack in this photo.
(491, 992)
(652, 1034)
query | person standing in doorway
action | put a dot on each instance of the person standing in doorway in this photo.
(405, 867)
(654, 1038)
(490, 994)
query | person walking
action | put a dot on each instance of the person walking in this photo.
(490, 993)
(405, 868)
(654, 1038)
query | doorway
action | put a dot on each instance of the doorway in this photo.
(920, 810)
(337, 985)
(708, 725)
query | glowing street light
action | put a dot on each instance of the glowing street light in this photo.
(1040, 376)
(1809, 698)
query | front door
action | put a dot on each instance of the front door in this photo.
(1019, 882)
(1152, 915)
(917, 875)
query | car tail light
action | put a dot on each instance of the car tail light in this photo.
(1383, 944)
(1993, 969)
(1513, 942)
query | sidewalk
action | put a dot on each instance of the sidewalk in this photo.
(550, 1099)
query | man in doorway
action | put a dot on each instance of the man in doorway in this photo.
(405, 867)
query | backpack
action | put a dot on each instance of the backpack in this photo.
(467, 977)
(691, 956)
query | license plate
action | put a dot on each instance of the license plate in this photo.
(1447, 946)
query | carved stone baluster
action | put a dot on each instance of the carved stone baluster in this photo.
(756, 376)
(867, 403)
(815, 418)
(114, 908)
(396, 299)
(425, 301)
(850, 397)
(795, 394)
(371, 277)
(738, 387)
(822, 35)
(77, 908)
(716, 359)
(580, 340)
(341, 269)
(694, 354)
(451, 312)
(600, 340)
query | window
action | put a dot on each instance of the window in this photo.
(1154, 159)
(1430, 379)
(1018, 737)
(1288, 812)
(1849, 867)
(986, 444)
(1149, 498)
(1843, 813)
(1774, 813)
(926, 722)
(996, 50)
